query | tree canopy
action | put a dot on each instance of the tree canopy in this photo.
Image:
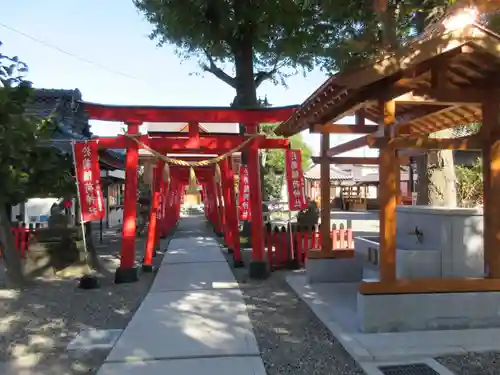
(265, 40)
(274, 163)
(29, 165)
(269, 40)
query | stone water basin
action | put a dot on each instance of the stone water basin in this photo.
(410, 263)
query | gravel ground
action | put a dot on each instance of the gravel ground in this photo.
(37, 323)
(291, 338)
(487, 363)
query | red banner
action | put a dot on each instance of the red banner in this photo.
(295, 180)
(88, 179)
(245, 213)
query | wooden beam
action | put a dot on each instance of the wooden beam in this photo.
(326, 241)
(430, 286)
(472, 142)
(350, 145)
(490, 132)
(347, 160)
(355, 160)
(453, 96)
(343, 129)
(334, 254)
(412, 153)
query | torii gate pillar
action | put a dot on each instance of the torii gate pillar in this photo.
(258, 268)
(127, 272)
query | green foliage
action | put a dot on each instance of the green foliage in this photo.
(277, 33)
(470, 184)
(274, 162)
(27, 165)
(468, 129)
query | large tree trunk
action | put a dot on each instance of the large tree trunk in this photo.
(246, 97)
(437, 184)
(10, 255)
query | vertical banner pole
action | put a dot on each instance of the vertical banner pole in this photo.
(80, 202)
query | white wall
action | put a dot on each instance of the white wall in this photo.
(37, 210)
(115, 216)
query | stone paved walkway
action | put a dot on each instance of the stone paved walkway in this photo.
(193, 321)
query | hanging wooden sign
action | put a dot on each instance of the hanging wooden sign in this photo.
(295, 180)
(244, 209)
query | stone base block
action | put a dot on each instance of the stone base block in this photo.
(258, 270)
(126, 275)
(333, 270)
(427, 311)
(148, 268)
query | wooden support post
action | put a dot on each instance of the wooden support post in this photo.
(388, 195)
(160, 215)
(491, 169)
(258, 267)
(411, 177)
(225, 188)
(234, 214)
(127, 272)
(397, 176)
(167, 191)
(147, 264)
(194, 135)
(218, 205)
(326, 242)
(213, 196)
(220, 210)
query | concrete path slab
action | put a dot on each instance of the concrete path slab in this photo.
(193, 276)
(190, 250)
(185, 324)
(198, 366)
(194, 320)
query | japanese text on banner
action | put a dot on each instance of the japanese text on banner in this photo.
(88, 178)
(295, 180)
(245, 212)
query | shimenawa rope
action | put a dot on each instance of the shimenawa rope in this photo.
(191, 164)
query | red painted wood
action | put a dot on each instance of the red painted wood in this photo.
(150, 244)
(142, 114)
(127, 259)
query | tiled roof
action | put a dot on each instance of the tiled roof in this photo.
(336, 174)
(72, 121)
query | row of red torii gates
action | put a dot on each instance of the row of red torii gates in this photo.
(220, 200)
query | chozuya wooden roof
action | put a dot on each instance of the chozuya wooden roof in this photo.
(471, 56)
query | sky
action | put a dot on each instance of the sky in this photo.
(103, 49)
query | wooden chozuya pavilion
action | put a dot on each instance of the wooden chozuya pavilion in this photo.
(445, 79)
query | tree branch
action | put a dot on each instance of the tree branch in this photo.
(212, 67)
(262, 75)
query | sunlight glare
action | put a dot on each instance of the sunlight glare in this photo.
(461, 19)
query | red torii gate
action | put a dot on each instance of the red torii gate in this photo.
(192, 143)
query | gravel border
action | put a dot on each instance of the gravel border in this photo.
(37, 323)
(292, 340)
(487, 363)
